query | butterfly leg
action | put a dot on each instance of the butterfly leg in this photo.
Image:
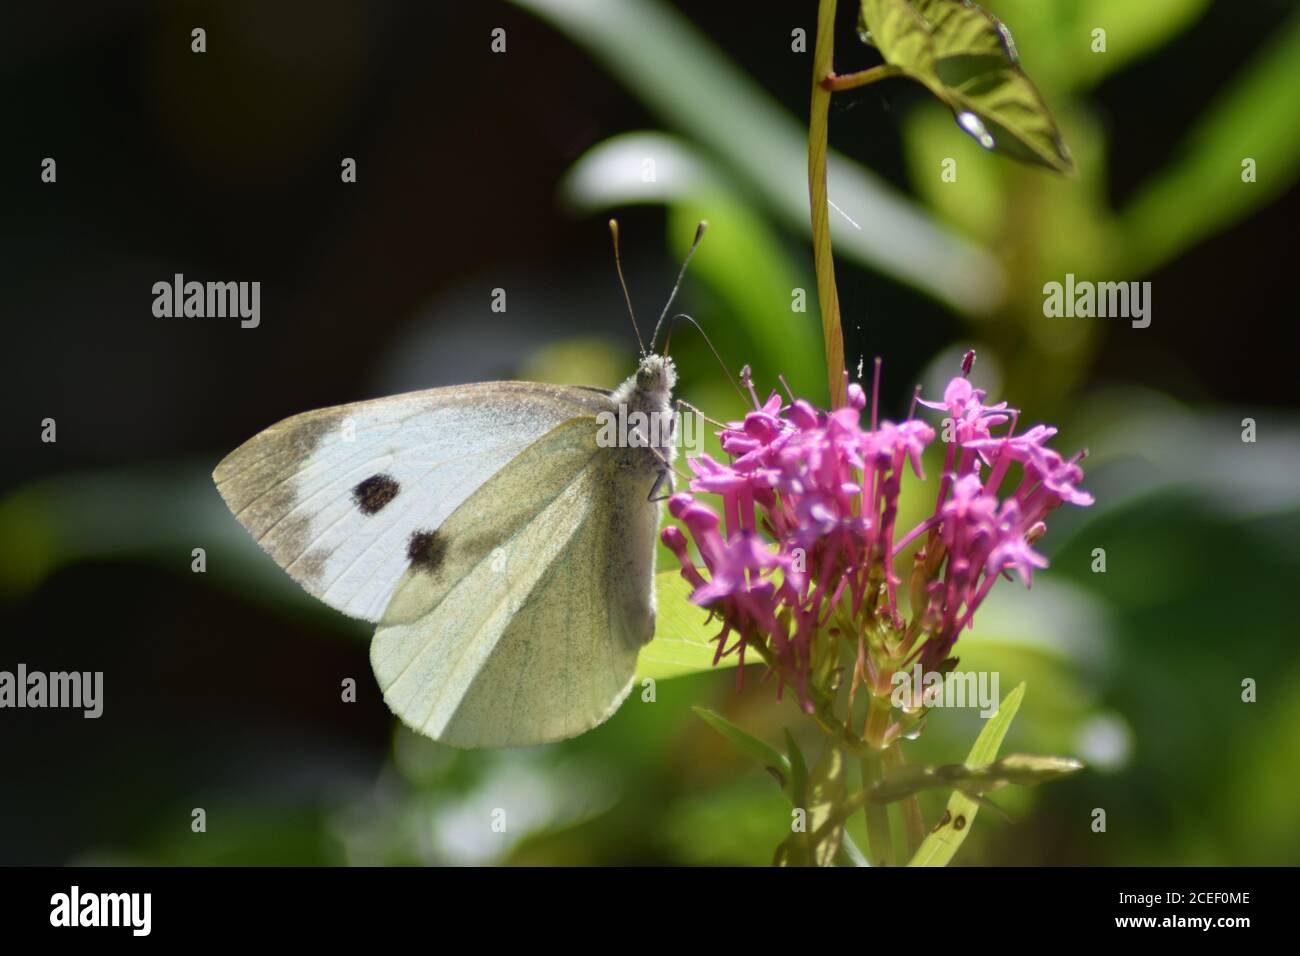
(664, 477)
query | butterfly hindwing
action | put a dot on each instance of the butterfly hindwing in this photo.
(521, 621)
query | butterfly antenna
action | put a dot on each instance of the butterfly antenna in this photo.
(711, 421)
(699, 234)
(682, 316)
(618, 264)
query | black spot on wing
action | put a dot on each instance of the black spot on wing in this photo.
(426, 550)
(375, 492)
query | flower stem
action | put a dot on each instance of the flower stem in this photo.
(877, 721)
(827, 296)
(880, 848)
(911, 806)
(836, 83)
(879, 842)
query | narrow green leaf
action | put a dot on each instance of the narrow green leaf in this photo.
(948, 835)
(798, 771)
(1020, 769)
(968, 59)
(985, 749)
(698, 91)
(817, 796)
(771, 758)
(850, 855)
(1201, 191)
(826, 789)
(1029, 770)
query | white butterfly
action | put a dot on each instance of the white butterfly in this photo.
(506, 555)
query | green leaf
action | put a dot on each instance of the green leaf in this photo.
(826, 790)
(968, 59)
(1029, 770)
(900, 33)
(798, 771)
(683, 641)
(1021, 769)
(961, 29)
(818, 795)
(771, 758)
(939, 846)
(849, 854)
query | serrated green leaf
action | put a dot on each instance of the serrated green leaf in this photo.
(968, 59)
(939, 846)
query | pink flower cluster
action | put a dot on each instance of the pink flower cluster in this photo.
(806, 539)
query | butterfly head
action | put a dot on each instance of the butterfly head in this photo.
(656, 373)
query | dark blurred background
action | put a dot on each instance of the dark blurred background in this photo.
(479, 170)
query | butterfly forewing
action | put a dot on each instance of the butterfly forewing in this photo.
(338, 496)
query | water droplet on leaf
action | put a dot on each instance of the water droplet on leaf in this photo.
(973, 125)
